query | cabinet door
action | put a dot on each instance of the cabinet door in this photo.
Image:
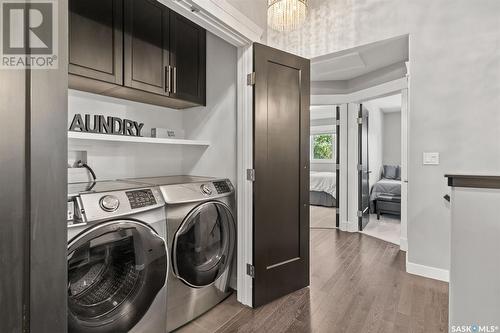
(96, 39)
(188, 59)
(146, 46)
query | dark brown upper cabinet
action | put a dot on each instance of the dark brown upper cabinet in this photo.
(138, 50)
(188, 59)
(96, 39)
(146, 48)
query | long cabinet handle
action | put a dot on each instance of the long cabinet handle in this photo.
(168, 78)
(175, 80)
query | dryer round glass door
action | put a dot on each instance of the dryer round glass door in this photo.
(203, 245)
(115, 270)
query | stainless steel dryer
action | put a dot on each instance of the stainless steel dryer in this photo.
(117, 258)
(201, 234)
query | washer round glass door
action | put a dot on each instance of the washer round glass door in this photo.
(115, 270)
(203, 245)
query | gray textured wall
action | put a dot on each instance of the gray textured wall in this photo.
(454, 94)
(392, 138)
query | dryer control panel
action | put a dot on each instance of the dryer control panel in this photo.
(222, 187)
(141, 198)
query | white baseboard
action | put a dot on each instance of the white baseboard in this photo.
(348, 226)
(403, 244)
(352, 226)
(343, 225)
(427, 271)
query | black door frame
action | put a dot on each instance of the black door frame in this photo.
(361, 212)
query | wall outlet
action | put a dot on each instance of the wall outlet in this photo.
(431, 158)
(76, 155)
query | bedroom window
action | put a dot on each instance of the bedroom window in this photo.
(323, 148)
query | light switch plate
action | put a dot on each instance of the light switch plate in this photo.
(431, 158)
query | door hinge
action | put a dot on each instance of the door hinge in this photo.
(360, 213)
(337, 166)
(337, 122)
(251, 270)
(360, 121)
(251, 79)
(251, 175)
(360, 167)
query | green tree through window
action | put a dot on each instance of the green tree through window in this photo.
(323, 147)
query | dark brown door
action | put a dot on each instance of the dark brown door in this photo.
(281, 162)
(363, 169)
(147, 46)
(96, 39)
(188, 59)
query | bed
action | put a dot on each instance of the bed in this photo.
(385, 197)
(323, 188)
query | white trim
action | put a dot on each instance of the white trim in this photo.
(245, 187)
(316, 161)
(405, 135)
(343, 192)
(323, 129)
(380, 90)
(352, 162)
(322, 112)
(427, 271)
(403, 244)
(219, 18)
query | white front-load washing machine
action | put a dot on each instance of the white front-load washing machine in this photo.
(201, 238)
(117, 258)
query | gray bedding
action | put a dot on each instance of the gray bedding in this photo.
(385, 186)
(317, 198)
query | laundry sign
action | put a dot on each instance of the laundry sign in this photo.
(105, 125)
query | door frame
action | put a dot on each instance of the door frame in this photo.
(402, 86)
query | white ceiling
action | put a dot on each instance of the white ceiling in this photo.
(388, 104)
(352, 63)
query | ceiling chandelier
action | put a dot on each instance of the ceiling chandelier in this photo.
(286, 15)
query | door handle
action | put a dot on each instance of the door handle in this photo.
(175, 80)
(168, 78)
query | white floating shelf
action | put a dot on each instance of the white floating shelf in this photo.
(134, 139)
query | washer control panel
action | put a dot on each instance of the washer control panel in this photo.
(109, 203)
(222, 187)
(141, 198)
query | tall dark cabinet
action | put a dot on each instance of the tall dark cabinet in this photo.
(138, 50)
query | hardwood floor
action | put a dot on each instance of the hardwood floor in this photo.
(388, 228)
(322, 217)
(358, 284)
